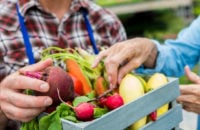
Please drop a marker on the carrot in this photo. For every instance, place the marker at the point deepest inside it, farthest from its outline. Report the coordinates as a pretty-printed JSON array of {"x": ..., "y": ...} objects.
[
  {"x": 100, "y": 86},
  {"x": 74, "y": 68},
  {"x": 78, "y": 87}
]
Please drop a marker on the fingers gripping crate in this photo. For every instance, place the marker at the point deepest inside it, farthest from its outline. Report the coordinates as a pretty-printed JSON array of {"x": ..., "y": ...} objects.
[{"x": 122, "y": 117}]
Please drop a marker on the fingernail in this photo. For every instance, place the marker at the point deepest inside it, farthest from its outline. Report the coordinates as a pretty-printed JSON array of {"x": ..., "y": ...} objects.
[
  {"x": 48, "y": 101},
  {"x": 44, "y": 86}
]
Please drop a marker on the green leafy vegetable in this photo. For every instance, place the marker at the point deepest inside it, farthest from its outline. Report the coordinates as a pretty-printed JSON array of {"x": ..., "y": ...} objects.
[
  {"x": 32, "y": 125},
  {"x": 98, "y": 112},
  {"x": 51, "y": 121},
  {"x": 80, "y": 99}
]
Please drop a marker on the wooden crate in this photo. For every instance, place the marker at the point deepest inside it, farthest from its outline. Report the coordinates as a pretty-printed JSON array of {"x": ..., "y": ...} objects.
[{"x": 124, "y": 116}]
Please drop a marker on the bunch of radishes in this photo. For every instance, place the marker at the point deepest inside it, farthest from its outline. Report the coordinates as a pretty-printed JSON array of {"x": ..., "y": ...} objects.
[{"x": 85, "y": 111}]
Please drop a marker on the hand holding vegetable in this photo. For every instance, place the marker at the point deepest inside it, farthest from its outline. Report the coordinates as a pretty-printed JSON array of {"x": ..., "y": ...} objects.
[
  {"x": 14, "y": 103},
  {"x": 190, "y": 94},
  {"x": 57, "y": 78},
  {"x": 125, "y": 56}
]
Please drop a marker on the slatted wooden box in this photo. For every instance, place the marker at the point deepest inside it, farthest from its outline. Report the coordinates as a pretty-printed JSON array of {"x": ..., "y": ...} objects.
[{"x": 121, "y": 118}]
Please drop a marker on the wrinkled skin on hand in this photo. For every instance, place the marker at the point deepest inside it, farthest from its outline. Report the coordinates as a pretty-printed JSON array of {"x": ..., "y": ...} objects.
[
  {"x": 190, "y": 93},
  {"x": 14, "y": 103},
  {"x": 126, "y": 56}
]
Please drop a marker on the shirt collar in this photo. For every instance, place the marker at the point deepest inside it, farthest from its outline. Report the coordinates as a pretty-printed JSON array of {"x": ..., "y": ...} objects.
[
  {"x": 76, "y": 5},
  {"x": 25, "y": 5}
]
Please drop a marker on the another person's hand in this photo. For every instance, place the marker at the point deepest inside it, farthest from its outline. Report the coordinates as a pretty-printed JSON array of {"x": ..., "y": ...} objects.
[
  {"x": 126, "y": 56},
  {"x": 190, "y": 94},
  {"x": 14, "y": 103}
]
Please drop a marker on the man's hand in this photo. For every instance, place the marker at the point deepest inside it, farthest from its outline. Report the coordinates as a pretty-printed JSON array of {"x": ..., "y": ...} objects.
[
  {"x": 123, "y": 57},
  {"x": 190, "y": 94},
  {"x": 14, "y": 103}
]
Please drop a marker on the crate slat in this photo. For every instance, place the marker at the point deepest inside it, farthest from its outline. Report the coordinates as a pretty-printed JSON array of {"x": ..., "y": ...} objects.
[{"x": 167, "y": 121}]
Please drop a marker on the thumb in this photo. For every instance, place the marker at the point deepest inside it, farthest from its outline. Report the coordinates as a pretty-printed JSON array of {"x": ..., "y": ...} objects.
[{"x": 193, "y": 77}]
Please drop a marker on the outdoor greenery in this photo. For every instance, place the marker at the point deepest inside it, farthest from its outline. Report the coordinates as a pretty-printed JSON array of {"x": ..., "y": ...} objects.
[
  {"x": 196, "y": 7},
  {"x": 116, "y": 2},
  {"x": 154, "y": 24}
]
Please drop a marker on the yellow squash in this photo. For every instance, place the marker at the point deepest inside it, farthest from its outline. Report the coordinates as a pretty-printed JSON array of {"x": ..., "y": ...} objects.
[
  {"x": 155, "y": 81},
  {"x": 130, "y": 89}
]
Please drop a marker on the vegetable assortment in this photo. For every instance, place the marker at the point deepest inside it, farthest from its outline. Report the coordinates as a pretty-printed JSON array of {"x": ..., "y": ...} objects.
[
  {"x": 91, "y": 97},
  {"x": 88, "y": 84}
]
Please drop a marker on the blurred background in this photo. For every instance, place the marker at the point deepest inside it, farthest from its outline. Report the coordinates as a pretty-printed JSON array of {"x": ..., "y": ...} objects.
[{"x": 157, "y": 19}]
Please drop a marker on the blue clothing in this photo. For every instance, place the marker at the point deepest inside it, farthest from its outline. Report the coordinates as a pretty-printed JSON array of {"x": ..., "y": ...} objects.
[{"x": 174, "y": 55}]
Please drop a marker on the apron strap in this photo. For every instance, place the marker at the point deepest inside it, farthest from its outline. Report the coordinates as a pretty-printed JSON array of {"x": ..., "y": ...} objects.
[
  {"x": 27, "y": 43},
  {"x": 90, "y": 32}
]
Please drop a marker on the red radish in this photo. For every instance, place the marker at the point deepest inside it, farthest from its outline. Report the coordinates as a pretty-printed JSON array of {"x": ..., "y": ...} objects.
[
  {"x": 57, "y": 78},
  {"x": 153, "y": 116},
  {"x": 102, "y": 101},
  {"x": 84, "y": 111},
  {"x": 114, "y": 101}
]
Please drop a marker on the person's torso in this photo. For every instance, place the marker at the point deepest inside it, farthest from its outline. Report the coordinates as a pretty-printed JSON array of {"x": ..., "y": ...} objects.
[{"x": 46, "y": 30}]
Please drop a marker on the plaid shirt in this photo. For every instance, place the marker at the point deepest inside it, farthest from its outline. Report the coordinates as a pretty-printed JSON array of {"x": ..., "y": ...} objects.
[{"x": 46, "y": 30}]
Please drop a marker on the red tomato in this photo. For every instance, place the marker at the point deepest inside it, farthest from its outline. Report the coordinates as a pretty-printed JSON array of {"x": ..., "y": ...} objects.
[{"x": 78, "y": 86}]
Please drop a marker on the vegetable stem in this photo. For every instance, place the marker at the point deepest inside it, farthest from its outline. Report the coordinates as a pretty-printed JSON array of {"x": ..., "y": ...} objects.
[
  {"x": 103, "y": 94},
  {"x": 63, "y": 100}
]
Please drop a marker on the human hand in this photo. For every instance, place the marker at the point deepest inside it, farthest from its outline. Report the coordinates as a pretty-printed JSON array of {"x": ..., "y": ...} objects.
[
  {"x": 14, "y": 103},
  {"x": 123, "y": 57},
  {"x": 190, "y": 94}
]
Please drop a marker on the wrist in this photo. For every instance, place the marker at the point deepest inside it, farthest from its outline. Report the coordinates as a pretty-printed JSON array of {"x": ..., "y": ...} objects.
[{"x": 152, "y": 58}]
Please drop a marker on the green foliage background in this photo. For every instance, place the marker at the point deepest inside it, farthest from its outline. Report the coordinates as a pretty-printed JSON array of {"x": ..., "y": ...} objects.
[{"x": 196, "y": 7}]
